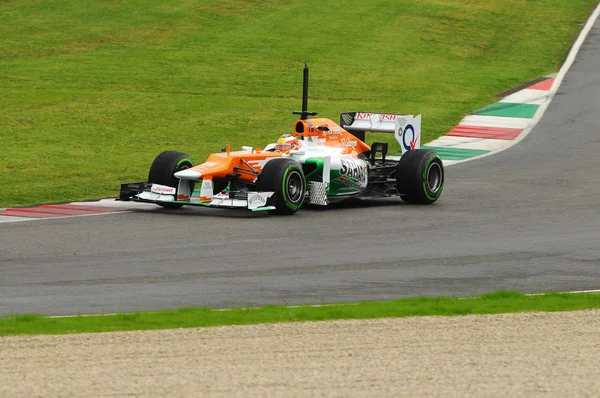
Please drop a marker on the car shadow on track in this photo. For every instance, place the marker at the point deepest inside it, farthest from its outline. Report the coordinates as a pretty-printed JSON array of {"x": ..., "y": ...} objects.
[
  {"x": 348, "y": 204},
  {"x": 204, "y": 212},
  {"x": 356, "y": 203}
]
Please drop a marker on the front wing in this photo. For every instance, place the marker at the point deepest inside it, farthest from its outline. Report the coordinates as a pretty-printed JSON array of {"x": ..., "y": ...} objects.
[{"x": 161, "y": 194}]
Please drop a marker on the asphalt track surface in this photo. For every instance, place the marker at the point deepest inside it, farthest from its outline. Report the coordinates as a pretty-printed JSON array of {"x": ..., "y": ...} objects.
[{"x": 526, "y": 219}]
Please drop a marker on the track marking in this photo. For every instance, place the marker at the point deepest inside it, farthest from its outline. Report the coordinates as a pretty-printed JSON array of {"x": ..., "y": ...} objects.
[
  {"x": 44, "y": 212},
  {"x": 298, "y": 306}
]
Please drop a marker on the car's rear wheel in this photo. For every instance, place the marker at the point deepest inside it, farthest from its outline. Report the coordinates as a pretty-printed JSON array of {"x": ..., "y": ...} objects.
[
  {"x": 164, "y": 167},
  {"x": 286, "y": 179},
  {"x": 420, "y": 176}
]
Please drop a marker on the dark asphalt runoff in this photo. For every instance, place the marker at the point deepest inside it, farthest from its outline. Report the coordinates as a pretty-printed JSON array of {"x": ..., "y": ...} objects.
[{"x": 525, "y": 219}]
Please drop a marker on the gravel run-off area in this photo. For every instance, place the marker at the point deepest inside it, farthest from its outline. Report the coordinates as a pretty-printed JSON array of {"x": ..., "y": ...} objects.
[{"x": 528, "y": 354}]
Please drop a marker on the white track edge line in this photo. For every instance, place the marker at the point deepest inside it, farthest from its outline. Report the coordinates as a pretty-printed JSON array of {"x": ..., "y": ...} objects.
[{"x": 298, "y": 306}]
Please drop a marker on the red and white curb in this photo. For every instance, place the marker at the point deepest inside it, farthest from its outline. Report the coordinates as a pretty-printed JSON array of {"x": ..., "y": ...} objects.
[
  {"x": 486, "y": 134},
  {"x": 75, "y": 209}
]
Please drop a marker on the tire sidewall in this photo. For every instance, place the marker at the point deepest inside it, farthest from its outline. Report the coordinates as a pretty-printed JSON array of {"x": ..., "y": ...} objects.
[
  {"x": 162, "y": 171},
  {"x": 428, "y": 162},
  {"x": 276, "y": 176},
  {"x": 293, "y": 172},
  {"x": 166, "y": 164},
  {"x": 412, "y": 175}
]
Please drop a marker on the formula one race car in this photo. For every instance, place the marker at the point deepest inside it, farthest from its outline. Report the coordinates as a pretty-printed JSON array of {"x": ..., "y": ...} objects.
[{"x": 320, "y": 163}]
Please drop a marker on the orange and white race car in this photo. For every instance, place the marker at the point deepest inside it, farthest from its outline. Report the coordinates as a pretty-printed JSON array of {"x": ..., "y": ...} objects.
[{"x": 319, "y": 162}]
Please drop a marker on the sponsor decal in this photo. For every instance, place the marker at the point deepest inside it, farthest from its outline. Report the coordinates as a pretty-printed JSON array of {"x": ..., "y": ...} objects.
[
  {"x": 258, "y": 199},
  {"x": 222, "y": 195},
  {"x": 349, "y": 183},
  {"x": 347, "y": 142},
  {"x": 362, "y": 115},
  {"x": 332, "y": 131},
  {"x": 408, "y": 132},
  {"x": 387, "y": 117},
  {"x": 412, "y": 142},
  {"x": 162, "y": 189},
  {"x": 382, "y": 117},
  {"x": 355, "y": 170}
]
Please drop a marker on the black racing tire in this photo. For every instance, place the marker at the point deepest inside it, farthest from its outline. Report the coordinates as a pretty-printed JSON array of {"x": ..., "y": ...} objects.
[
  {"x": 420, "y": 176},
  {"x": 286, "y": 179},
  {"x": 164, "y": 167}
]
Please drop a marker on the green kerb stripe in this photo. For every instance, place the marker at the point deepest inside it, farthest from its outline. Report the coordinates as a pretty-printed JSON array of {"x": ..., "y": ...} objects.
[
  {"x": 456, "y": 153},
  {"x": 509, "y": 109}
]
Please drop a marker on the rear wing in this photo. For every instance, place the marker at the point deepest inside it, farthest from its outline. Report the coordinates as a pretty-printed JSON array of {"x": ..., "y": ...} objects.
[{"x": 406, "y": 128}]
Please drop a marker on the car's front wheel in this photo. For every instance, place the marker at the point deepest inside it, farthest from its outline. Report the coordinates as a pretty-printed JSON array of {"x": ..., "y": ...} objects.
[
  {"x": 164, "y": 167},
  {"x": 286, "y": 179}
]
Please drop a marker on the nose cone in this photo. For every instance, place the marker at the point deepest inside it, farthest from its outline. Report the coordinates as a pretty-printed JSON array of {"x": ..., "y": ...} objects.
[{"x": 188, "y": 175}]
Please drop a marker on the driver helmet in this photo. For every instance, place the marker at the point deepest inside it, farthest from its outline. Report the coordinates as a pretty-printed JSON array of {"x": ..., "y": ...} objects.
[{"x": 287, "y": 142}]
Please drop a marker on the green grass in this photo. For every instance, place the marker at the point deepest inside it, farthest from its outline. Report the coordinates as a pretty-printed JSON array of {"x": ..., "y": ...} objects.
[
  {"x": 93, "y": 90},
  {"x": 493, "y": 303}
]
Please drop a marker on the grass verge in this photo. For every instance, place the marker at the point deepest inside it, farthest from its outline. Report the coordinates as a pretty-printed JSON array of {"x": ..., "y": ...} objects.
[
  {"x": 92, "y": 91},
  {"x": 493, "y": 303}
]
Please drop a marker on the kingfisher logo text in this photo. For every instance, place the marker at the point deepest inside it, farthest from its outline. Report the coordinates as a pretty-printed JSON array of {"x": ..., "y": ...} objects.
[{"x": 382, "y": 117}]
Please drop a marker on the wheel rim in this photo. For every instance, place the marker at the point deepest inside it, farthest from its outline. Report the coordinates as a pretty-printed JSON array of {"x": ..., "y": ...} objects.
[
  {"x": 294, "y": 186},
  {"x": 182, "y": 167},
  {"x": 434, "y": 177}
]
